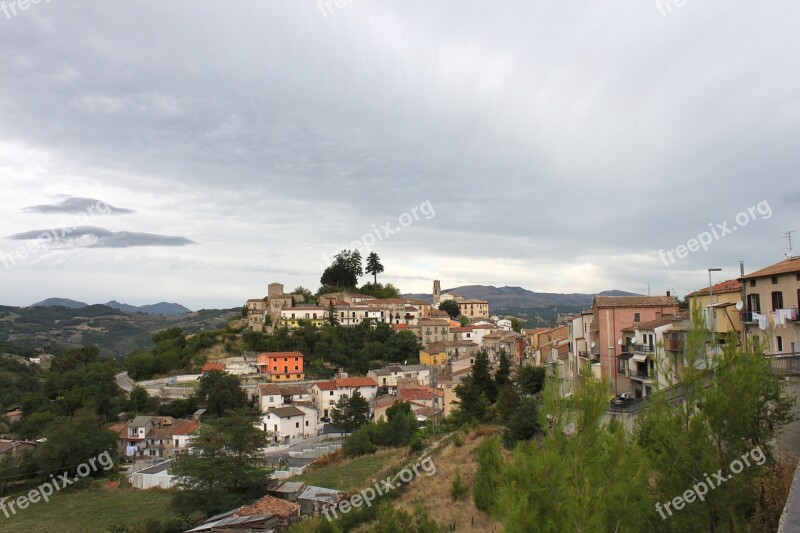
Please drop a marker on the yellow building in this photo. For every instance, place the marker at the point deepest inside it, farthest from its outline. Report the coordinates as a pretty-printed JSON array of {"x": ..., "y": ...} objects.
[
  {"x": 434, "y": 354},
  {"x": 721, "y": 313}
]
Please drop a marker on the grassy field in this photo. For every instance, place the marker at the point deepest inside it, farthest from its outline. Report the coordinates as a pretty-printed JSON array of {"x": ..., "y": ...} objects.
[
  {"x": 93, "y": 510},
  {"x": 351, "y": 475}
]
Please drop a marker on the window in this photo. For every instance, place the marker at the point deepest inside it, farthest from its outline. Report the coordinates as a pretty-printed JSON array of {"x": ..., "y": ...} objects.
[
  {"x": 752, "y": 283},
  {"x": 754, "y": 303},
  {"x": 777, "y": 300},
  {"x": 779, "y": 342},
  {"x": 297, "y": 424},
  {"x": 271, "y": 399},
  {"x": 331, "y": 393},
  {"x": 296, "y": 367},
  {"x": 774, "y": 280},
  {"x": 637, "y": 317},
  {"x": 306, "y": 423}
]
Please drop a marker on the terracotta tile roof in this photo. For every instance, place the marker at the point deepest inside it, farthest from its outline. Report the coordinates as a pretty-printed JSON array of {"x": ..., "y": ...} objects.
[
  {"x": 355, "y": 382},
  {"x": 732, "y": 285},
  {"x": 787, "y": 266},
  {"x": 461, "y": 330},
  {"x": 209, "y": 367},
  {"x": 635, "y": 301},
  {"x": 417, "y": 393},
  {"x": 434, "y": 322},
  {"x": 269, "y": 505},
  {"x": 474, "y": 301},
  {"x": 379, "y": 301},
  {"x": 652, "y": 324},
  {"x": 280, "y": 354},
  {"x": 326, "y": 385},
  {"x": 435, "y": 347},
  {"x": 400, "y": 327},
  {"x": 269, "y": 389}
]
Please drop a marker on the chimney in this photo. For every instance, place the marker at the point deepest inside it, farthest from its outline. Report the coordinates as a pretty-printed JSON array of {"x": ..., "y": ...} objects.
[{"x": 668, "y": 293}]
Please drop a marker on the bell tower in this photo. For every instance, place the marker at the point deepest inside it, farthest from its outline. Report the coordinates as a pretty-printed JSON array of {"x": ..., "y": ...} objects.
[{"x": 437, "y": 293}]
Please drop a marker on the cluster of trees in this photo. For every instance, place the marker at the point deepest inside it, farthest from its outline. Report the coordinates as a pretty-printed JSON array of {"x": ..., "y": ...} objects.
[
  {"x": 346, "y": 268},
  {"x": 356, "y": 348},
  {"x": 226, "y": 468},
  {"x": 172, "y": 352},
  {"x": 397, "y": 429},
  {"x": 590, "y": 475},
  {"x": 511, "y": 400}
]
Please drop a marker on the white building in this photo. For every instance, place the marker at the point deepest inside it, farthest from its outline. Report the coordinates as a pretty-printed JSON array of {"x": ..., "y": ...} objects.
[
  {"x": 391, "y": 376},
  {"x": 289, "y": 424},
  {"x": 327, "y": 393}
]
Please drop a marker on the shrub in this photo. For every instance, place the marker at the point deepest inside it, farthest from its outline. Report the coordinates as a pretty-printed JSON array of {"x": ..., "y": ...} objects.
[{"x": 458, "y": 489}]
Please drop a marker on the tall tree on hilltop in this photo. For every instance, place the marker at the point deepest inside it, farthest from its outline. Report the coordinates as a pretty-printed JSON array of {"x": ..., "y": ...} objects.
[
  {"x": 344, "y": 271},
  {"x": 374, "y": 266}
]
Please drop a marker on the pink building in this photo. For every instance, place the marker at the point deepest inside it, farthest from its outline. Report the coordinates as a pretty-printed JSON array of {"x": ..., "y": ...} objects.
[{"x": 612, "y": 315}]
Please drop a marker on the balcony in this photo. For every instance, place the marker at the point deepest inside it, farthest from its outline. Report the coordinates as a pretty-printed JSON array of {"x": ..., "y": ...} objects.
[
  {"x": 643, "y": 375},
  {"x": 747, "y": 317},
  {"x": 642, "y": 348},
  {"x": 622, "y": 371},
  {"x": 675, "y": 345},
  {"x": 584, "y": 354}
]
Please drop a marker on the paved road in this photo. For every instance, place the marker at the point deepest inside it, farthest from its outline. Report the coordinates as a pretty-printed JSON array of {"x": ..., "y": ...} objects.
[{"x": 125, "y": 383}]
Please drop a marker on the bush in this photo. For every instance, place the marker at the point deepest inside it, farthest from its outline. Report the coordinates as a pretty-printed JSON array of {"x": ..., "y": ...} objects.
[
  {"x": 360, "y": 443},
  {"x": 458, "y": 489},
  {"x": 458, "y": 442},
  {"x": 417, "y": 442}
]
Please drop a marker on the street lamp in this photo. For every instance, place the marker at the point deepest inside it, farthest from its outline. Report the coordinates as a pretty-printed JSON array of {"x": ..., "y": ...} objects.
[{"x": 713, "y": 310}]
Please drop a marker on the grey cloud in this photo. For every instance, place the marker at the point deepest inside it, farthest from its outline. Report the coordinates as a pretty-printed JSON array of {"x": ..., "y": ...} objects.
[
  {"x": 76, "y": 205},
  {"x": 93, "y": 237}
]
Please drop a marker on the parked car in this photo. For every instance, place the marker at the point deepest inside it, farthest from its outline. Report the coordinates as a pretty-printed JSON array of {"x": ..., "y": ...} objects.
[{"x": 623, "y": 399}]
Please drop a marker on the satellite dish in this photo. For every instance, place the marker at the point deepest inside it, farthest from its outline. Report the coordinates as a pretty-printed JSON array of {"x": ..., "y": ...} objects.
[
  {"x": 619, "y": 341},
  {"x": 739, "y": 305},
  {"x": 633, "y": 340},
  {"x": 593, "y": 345}
]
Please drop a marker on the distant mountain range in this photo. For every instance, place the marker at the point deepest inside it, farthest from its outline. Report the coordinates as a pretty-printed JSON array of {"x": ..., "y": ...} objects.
[
  {"x": 117, "y": 333},
  {"x": 536, "y": 307},
  {"x": 161, "y": 308}
]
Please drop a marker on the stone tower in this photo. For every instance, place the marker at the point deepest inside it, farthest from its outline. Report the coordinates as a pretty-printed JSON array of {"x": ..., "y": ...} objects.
[{"x": 437, "y": 293}]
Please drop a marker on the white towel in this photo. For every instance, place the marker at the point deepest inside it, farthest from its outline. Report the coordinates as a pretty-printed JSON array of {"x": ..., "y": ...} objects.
[{"x": 762, "y": 320}]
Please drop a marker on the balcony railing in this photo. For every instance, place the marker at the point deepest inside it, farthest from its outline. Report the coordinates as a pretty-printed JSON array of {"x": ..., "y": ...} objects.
[
  {"x": 584, "y": 354},
  {"x": 644, "y": 375},
  {"x": 747, "y": 317},
  {"x": 642, "y": 348},
  {"x": 622, "y": 371}
]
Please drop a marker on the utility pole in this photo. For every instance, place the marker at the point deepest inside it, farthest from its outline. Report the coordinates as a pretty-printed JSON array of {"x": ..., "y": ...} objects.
[{"x": 435, "y": 388}]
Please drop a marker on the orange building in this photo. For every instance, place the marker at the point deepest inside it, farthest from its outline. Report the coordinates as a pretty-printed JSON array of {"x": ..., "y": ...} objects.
[{"x": 281, "y": 366}]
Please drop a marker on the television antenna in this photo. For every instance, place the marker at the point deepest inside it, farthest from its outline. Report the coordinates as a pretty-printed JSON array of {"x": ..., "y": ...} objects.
[{"x": 788, "y": 236}]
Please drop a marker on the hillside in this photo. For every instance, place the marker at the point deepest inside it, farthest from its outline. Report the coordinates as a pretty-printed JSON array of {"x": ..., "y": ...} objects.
[
  {"x": 535, "y": 306},
  {"x": 115, "y": 332},
  {"x": 161, "y": 308}
]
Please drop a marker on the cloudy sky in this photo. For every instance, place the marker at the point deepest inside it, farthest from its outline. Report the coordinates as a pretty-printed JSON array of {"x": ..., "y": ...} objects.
[{"x": 195, "y": 151}]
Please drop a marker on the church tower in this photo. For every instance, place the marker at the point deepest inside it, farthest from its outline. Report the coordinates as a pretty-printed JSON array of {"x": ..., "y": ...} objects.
[{"x": 437, "y": 293}]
